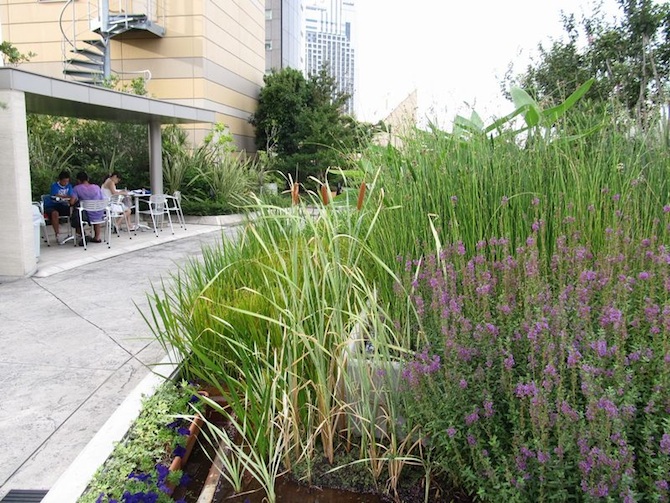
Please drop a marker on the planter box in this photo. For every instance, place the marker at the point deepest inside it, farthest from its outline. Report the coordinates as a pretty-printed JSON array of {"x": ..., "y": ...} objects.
[{"x": 74, "y": 481}]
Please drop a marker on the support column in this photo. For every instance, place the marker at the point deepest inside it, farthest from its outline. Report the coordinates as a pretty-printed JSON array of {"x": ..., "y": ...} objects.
[
  {"x": 155, "y": 157},
  {"x": 17, "y": 248}
]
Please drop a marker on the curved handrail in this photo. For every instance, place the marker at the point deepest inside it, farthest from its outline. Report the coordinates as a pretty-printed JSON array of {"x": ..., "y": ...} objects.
[
  {"x": 147, "y": 73},
  {"x": 60, "y": 25}
]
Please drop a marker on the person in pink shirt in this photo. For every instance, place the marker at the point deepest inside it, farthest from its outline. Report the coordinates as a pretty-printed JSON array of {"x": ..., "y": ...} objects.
[{"x": 84, "y": 191}]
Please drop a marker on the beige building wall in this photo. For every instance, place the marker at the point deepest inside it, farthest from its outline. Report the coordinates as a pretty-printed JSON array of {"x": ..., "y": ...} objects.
[
  {"x": 212, "y": 55},
  {"x": 400, "y": 122}
]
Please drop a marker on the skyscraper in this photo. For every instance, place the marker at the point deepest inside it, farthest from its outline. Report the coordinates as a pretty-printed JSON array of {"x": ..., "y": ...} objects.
[
  {"x": 329, "y": 35},
  {"x": 284, "y": 35}
]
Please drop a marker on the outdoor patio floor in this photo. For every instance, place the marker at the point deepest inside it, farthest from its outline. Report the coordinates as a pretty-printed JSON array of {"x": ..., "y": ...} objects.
[{"x": 76, "y": 344}]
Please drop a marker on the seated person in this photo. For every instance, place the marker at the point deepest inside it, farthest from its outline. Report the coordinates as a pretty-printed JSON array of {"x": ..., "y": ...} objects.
[
  {"x": 87, "y": 191},
  {"x": 60, "y": 202},
  {"x": 109, "y": 186}
]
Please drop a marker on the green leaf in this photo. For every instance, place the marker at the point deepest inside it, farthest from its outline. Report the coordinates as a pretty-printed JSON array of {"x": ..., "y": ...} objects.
[
  {"x": 522, "y": 99},
  {"x": 552, "y": 114}
]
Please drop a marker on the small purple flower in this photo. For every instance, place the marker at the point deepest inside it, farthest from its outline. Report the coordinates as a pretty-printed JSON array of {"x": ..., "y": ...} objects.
[
  {"x": 643, "y": 276},
  {"x": 472, "y": 418},
  {"x": 662, "y": 485},
  {"x": 509, "y": 362},
  {"x": 162, "y": 471},
  {"x": 666, "y": 208},
  {"x": 665, "y": 443},
  {"x": 174, "y": 424},
  {"x": 600, "y": 347},
  {"x": 179, "y": 451},
  {"x": 550, "y": 371},
  {"x": 454, "y": 200},
  {"x": 185, "y": 479},
  {"x": 535, "y": 201},
  {"x": 142, "y": 477},
  {"x": 451, "y": 431},
  {"x": 543, "y": 457},
  {"x": 573, "y": 358},
  {"x": 472, "y": 440},
  {"x": 523, "y": 390},
  {"x": 609, "y": 407},
  {"x": 463, "y": 383},
  {"x": 488, "y": 408},
  {"x": 182, "y": 430},
  {"x": 504, "y": 200}
]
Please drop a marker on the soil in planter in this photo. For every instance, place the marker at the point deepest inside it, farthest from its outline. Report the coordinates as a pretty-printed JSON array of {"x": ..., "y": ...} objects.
[
  {"x": 291, "y": 491},
  {"x": 349, "y": 485}
]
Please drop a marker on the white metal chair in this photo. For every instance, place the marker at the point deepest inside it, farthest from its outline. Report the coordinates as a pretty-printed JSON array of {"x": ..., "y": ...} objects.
[
  {"x": 47, "y": 220},
  {"x": 95, "y": 205},
  {"x": 117, "y": 209},
  {"x": 157, "y": 210},
  {"x": 173, "y": 203}
]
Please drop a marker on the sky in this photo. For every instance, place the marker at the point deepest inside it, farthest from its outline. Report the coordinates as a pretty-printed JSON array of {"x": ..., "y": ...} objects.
[{"x": 454, "y": 53}]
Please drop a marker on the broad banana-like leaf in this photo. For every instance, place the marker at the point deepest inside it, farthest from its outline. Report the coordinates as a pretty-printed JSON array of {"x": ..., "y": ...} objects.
[
  {"x": 465, "y": 127},
  {"x": 476, "y": 120},
  {"x": 551, "y": 115},
  {"x": 522, "y": 99}
]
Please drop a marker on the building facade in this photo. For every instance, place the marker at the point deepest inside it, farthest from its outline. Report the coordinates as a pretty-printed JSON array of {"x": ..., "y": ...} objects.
[
  {"x": 329, "y": 41},
  {"x": 204, "y": 53},
  {"x": 284, "y": 35}
]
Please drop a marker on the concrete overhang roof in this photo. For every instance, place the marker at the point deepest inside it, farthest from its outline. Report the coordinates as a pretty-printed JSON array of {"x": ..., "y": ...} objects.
[{"x": 50, "y": 96}]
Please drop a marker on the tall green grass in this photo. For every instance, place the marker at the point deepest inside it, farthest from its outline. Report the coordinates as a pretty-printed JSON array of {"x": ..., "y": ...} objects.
[
  {"x": 268, "y": 319},
  {"x": 487, "y": 188},
  {"x": 303, "y": 324}
]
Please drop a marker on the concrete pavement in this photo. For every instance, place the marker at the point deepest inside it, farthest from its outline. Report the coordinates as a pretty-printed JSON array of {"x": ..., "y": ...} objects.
[{"x": 74, "y": 345}]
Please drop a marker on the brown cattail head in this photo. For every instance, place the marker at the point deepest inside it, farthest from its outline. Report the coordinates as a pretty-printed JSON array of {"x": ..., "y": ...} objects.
[
  {"x": 295, "y": 189},
  {"x": 361, "y": 196},
  {"x": 325, "y": 194}
]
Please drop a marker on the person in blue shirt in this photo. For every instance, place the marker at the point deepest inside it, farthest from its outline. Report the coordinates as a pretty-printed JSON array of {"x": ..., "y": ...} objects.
[{"x": 61, "y": 200}]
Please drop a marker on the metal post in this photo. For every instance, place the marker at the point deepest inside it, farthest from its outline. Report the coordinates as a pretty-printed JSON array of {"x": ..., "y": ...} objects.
[{"x": 155, "y": 157}]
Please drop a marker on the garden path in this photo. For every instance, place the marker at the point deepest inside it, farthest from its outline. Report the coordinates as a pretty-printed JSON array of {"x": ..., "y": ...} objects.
[{"x": 74, "y": 345}]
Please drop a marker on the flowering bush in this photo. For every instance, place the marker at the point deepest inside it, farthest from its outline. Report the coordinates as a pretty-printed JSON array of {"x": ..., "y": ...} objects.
[
  {"x": 137, "y": 470},
  {"x": 545, "y": 379}
]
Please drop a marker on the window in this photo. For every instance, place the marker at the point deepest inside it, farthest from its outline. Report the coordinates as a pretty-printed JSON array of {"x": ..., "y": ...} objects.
[
  {"x": 268, "y": 14},
  {"x": 268, "y": 45}
]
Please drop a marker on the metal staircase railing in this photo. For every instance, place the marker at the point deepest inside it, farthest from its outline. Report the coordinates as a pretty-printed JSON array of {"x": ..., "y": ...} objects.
[{"x": 87, "y": 27}]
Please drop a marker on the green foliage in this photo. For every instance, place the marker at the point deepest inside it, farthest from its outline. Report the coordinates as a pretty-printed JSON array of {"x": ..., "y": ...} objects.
[
  {"x": 12, "y": 56},
  {"x": 57, "y": 143},
  {"x": 149, "y": 442},
  {"x": 46, "y": 164},
  {"x": 305, "y": 323},
  {"x": 267, "y": 318},
  {"x": 98, "y": 147},
  {"x": 629, "y": 59},
  {"x": 301, "y": 121},
  {"x": 212, "y": 177}
]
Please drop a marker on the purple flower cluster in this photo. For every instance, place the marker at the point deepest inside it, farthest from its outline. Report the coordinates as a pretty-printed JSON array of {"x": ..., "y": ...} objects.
[
  {"x": 422, "y": 365},
  {"x": 547, "y": 365}
]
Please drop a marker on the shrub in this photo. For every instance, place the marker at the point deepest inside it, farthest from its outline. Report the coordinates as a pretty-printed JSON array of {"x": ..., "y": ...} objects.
[{"x": 545, "y": 384}]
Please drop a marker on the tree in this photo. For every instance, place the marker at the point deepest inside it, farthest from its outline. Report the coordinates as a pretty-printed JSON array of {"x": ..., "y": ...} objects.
[
  {"x": 629, "y": 59},
  {"x": 301, "y": 121},
  {"x": 11, "y": 55}
]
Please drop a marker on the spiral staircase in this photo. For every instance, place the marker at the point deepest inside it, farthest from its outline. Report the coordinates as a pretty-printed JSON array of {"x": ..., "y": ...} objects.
[{"x": 88, "y": 26}]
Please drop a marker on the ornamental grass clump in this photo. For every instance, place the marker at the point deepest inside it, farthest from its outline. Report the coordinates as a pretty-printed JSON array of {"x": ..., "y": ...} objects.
[
  {"x": 278, "y": 321},
  {"x": 545, "y": 381}
]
